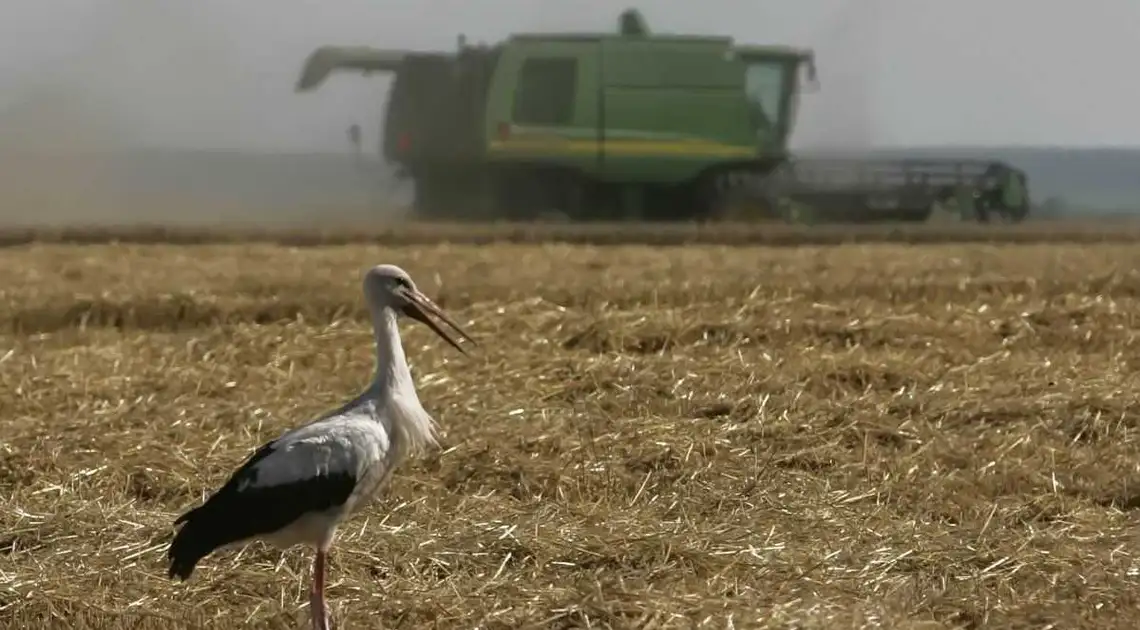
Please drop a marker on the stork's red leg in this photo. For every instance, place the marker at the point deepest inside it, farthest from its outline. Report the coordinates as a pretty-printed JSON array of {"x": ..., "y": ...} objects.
[{"x": 317, "y": 608}]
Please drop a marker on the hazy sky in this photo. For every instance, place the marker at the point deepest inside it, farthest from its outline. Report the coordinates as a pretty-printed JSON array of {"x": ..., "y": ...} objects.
[{"x": 220, "y": 73}]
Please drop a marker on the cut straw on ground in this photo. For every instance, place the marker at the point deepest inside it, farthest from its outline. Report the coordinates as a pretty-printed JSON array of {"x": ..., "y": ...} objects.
[{"x": 649, "y": 437}]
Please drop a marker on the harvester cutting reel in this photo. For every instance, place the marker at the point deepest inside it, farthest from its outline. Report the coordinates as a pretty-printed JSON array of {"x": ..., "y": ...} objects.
[{"x": 855, "y": 190}]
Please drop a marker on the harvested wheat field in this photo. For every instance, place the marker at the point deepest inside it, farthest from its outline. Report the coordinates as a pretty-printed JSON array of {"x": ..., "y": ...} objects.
[
  {"x": 882, "y": 435},
  {"x": 768, "y": 234}
]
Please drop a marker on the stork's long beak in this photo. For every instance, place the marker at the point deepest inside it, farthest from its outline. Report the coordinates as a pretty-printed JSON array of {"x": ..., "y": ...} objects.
[{"x": 418, "y": 308}]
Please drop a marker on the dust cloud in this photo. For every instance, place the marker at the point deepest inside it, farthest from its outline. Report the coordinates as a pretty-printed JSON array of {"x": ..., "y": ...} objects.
[
  {"x": 55, "y": 135},
  {"x": 77, "y": 136},
  {"x": 840, "y": 116}
]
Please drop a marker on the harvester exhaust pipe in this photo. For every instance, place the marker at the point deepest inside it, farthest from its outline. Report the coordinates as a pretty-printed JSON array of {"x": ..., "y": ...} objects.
[{"x": 632, "y": 24}]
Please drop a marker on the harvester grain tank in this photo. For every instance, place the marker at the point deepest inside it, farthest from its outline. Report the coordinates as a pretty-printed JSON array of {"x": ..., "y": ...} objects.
[{"x": 592, "y": 126}]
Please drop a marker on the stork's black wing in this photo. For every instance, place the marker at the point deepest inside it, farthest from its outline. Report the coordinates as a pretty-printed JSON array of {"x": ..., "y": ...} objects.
[{"x": 278, "y": 484}]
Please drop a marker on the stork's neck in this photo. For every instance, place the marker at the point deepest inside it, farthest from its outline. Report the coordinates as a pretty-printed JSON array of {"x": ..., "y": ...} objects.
[
  {"x": 394, "y": 391},
  {"x": 392, "y": 373}
]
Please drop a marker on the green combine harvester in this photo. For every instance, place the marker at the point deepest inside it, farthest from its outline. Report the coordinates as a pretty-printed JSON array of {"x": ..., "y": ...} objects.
[{"x": 628, "y": 125}]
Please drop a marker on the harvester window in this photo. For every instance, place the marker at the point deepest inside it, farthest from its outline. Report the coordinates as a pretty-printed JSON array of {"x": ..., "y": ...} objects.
[
  {"x": 764, "y": 83},
  {"x": 546, "y": 91}
]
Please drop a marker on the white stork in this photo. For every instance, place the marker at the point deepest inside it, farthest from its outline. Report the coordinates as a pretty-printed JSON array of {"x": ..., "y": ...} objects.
[{"x": 299, "y": 487}]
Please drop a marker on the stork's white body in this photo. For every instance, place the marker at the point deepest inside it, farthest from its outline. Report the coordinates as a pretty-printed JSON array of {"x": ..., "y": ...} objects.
[
  {"x": 298, "y": 488},
  {"x": 370, "y": 437}
]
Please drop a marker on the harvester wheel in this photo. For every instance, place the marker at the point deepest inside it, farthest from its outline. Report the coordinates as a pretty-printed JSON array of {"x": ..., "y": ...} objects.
[
  {"x": 1014, "y": 215},
  {"x": 431, "y": 200},
  {"x": 526, "y": 195},
  {"x": 730, "y": 197}
]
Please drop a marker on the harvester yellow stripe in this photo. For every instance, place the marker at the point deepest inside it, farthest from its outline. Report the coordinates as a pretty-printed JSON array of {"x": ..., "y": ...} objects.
[{"x": 620, "y": 147}]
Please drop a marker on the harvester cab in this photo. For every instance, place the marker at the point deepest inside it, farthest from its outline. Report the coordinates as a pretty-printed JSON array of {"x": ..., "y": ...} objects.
[{"x": 774, "y": 77}]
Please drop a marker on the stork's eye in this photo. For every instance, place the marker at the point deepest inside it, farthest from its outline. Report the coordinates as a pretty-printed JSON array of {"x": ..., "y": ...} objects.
[{"x": 403, "y": 283}]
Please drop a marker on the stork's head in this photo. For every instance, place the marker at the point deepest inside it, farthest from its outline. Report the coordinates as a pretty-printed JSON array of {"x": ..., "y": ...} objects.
[{"x": 389, "y": 287}]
